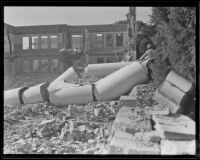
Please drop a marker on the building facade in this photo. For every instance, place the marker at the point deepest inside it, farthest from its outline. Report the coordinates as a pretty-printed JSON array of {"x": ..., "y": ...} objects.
[{"x": 35, "y": 49}]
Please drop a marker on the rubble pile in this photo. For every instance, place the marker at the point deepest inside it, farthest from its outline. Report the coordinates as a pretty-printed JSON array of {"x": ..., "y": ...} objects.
[{"x": 43, "y": 129}]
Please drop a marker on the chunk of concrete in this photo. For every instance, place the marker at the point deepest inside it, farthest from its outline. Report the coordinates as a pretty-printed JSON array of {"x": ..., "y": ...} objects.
[
  {"x": 124, "y": 143},
  {"x": 128, "y": 101},
  {"x": 179, "y": 81},
  {"x": 178, "y": 147},
  {"x": 130, "y": 121},
  {"x": 175, "y": 127},
  {"x": 165, "y": 101},
  {"x": 98, "y": 111}
]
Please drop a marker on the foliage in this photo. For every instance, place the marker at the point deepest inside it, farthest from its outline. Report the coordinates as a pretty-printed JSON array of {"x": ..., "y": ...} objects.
[
  {"x": 175, "y": 41},
  {"x": 121, "y": 22}
]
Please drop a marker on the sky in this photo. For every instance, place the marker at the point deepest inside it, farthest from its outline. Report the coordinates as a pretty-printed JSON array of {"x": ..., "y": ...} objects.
[{"x": 24, "y": 16}]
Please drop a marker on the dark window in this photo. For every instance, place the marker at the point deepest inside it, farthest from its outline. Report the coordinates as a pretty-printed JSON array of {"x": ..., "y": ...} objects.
[
  {"x": 35, "y": 65},
  {"x": 54, "y": 41},
  {"x": 110, "y": 60},
  {"x": 119, "y": 39},
  {"x": 120, "y": 59},
  {"x": 54, "y": 65},
  {"x": 44, "y": 65},
  {"x": 26, "y": 66},
  {"x": 99, "y": 40},
  {"x": 44, "y": 42},
  {"x": 100, "y": 60},
  {"x": 109, "y": 40},
  {"x": 35, "y": 43},
  {"x": 25, "y": 43}
]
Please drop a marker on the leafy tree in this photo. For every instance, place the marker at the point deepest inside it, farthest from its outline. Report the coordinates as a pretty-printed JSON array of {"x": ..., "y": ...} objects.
[
  {"x": 121, "y": 22},
  {"x": 175, "y": 42}
]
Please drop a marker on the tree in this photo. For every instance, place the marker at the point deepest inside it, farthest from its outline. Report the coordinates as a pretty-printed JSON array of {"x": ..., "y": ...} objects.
[
  {"x": 121, "y": 22},
  {"x": 175, "y": 41}
]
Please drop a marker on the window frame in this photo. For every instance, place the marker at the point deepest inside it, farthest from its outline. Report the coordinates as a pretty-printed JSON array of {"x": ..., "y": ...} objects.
[
  {"x": 107, "y": 40},
  {"x": 34, "y": 43},
  {"x": 122, "y": 39},
  {"x": 80, "y": 36},
  {"x": 51, "y": 65},
  {"x": 28, "y": 38},
  {"x": 98, "y": 41},
  {"x": 47, "y": 42},
  {"x": 50, "y": 39}
]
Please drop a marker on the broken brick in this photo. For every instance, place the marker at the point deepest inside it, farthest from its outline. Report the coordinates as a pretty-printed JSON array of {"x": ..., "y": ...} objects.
[
  {"x": 98, "y": 111},
  {"x": 128, "y": 101}
]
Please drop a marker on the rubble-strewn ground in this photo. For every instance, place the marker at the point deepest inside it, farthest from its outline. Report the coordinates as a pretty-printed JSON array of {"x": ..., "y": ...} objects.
[{"x": 48, "y": 129}]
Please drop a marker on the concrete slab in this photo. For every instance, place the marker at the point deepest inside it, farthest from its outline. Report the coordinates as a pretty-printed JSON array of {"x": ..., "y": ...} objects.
[
  {"x": 176, "y": 127},
  {"x": 178, "y": 147},
  {"x": 130, "y": 121},
  {"x": 128, "y": 101},
  {"x": 124, "y": 143}
]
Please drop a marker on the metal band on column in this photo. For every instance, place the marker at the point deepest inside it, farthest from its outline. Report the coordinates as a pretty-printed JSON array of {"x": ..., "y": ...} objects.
[
  {"x": 93, "y": 95},
  {"x": 20, "y": 92},
  {"x": 44, "y": 92}
]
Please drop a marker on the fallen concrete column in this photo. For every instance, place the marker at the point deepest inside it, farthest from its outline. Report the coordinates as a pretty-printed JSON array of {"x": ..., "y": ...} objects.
[
  {"x": 59, "y": 92},
  {"x": 68, "y": 75},
  {"x": 12, "y": 96},
  {"x": 92, "y": 69},
  {"x": 105, "y": 68},
  {"x": 120, "y": 82},
  {"x": 32, "y": 94},
  {"x": 72, "y": 95}
]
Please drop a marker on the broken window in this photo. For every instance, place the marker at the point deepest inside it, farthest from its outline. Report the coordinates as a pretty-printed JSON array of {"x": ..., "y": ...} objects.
[
  {"x": 54, "y": 65},
  {"x": 44, "y": 42},
  {"x": 99, "y": 40},
  {"x": 44, "y": 65},
  {"x": 77, "y": 41},
  {"x": 35, "y": 65},
  {"x": 109, "y": 40},
  {"x": 54, "y": 41},
  {"x": 119, "y": 39},
  {"x": 25, "y": 43},
  {"x": 35, "y": 42},
  {"x": 26, "y": 66},
  {"x": 100, "y": 60}
]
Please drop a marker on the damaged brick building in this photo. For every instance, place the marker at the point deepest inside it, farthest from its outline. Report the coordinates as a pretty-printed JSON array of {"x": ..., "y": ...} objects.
[{"x": 34, "y": 50}]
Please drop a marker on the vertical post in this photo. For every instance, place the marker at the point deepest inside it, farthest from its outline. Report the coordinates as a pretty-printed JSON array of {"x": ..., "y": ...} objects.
[{"x": 132, "y": 23}]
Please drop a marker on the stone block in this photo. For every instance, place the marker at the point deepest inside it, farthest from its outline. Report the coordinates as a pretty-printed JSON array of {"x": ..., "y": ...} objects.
[
  {"x": 178, "y": 147},
  {"x": 124, "y": 143},
  {"x": 175, "y": 127},
  {"x": 98, "y": 111},
  {"x": 130, "y": 121},
  {"x": 162, "y": 99},
  {"x": 128, "y": 101}
]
